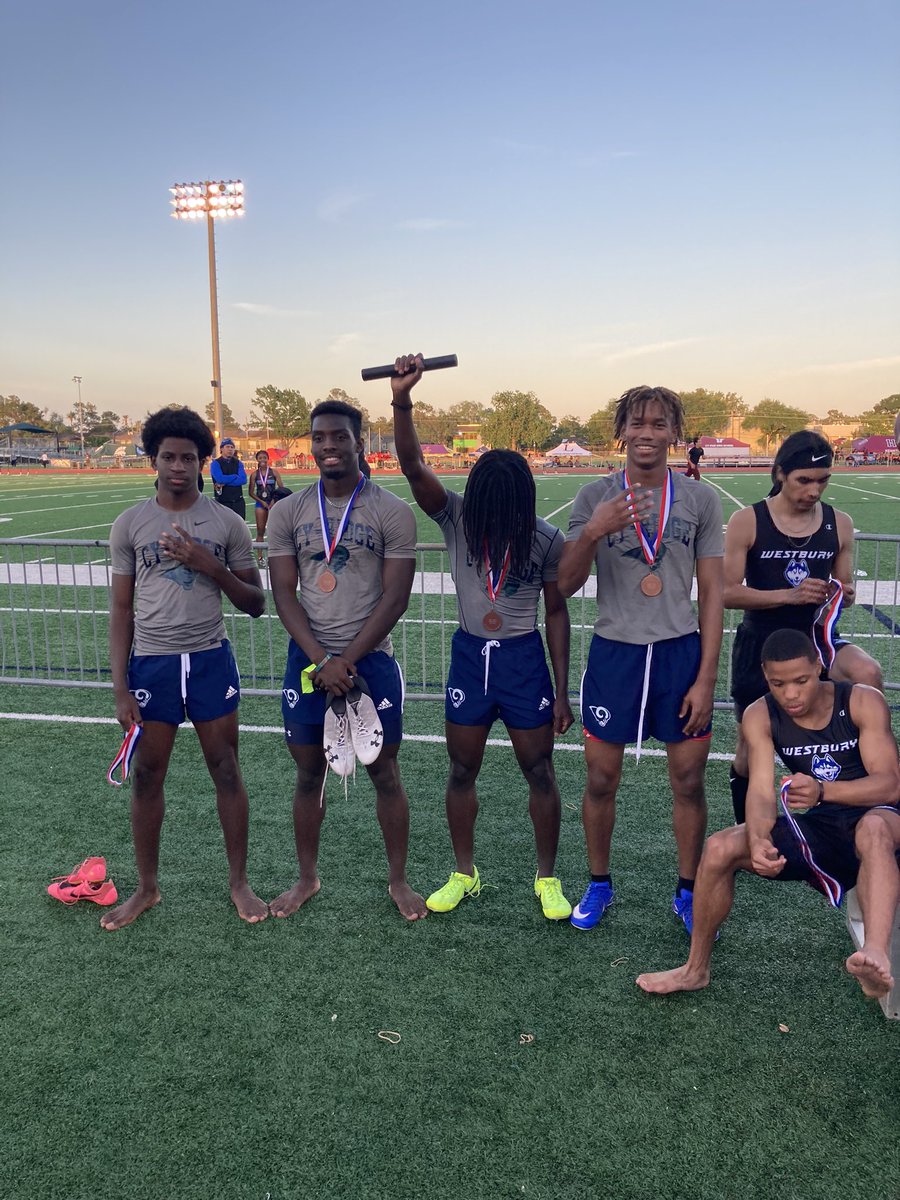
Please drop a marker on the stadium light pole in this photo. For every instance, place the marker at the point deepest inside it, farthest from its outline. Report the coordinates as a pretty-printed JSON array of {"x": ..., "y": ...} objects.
[
  {"x": 79, "y": 408},
  {"x": 213, "y": 199}
]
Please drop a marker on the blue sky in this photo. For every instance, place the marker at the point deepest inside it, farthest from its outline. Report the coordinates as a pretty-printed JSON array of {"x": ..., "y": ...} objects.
[{"x": 573, "y": 197}]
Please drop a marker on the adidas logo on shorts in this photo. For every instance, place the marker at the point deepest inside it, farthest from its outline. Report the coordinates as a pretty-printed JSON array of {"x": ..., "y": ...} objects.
[
  {"x": 384, "y": 704},
  {"x": 232, "y": 691},
  {"x": 545, "y": 703}
]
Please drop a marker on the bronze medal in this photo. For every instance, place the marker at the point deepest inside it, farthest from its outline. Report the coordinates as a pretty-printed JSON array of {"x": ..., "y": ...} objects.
[
  {"x": 651, "y": 585},
  {"x": 326, "y": 582},
  {"x": 492, "y": 621}
]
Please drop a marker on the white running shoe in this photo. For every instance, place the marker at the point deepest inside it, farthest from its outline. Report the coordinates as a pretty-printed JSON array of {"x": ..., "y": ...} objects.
[
  {"x": 336, "y": 738},
  {"x": 366, "y": 732}
]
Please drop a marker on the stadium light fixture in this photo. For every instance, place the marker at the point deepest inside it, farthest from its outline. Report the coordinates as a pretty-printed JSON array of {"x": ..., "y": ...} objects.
[{"x": 215, "y": 199}]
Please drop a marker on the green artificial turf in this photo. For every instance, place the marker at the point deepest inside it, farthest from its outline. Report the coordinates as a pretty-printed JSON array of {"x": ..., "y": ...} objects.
[{"x": 193, "y": 1056}]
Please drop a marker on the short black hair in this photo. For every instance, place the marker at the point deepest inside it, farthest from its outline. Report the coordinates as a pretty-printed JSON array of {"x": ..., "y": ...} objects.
[
  {"x": 636, "y": 399},
  {"x": 796, "y": 453},
  {"x": 784, "y": 645},
  {"x": 177, "y": 422},
  {"x": 339, "y": 408}
]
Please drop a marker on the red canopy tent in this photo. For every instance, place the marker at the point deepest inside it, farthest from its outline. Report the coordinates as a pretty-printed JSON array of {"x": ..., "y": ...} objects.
[{"x": 875, "y": 444}]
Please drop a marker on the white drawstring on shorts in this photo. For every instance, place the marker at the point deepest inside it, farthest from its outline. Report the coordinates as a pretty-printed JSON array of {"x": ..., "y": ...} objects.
[
  {"x": 486, "y": 654},
  {"x": 640, "y": 732},
  {"x": 185, "y": 671}
]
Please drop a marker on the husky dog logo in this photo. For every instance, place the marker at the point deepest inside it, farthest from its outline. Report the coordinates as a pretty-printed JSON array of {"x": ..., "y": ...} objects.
[
  {"x": 142, "y": 696},
  {"x": 796, "y": 571},
  {"x": 825, "y": 768},
  {"x": 457, "y": 696},
  {"x": 601, "y": 714},
  {"x": 291, "y": 696}
]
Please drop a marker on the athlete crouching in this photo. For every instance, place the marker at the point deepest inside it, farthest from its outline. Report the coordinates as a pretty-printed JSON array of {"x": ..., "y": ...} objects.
[{"x": 841, "y": 824}]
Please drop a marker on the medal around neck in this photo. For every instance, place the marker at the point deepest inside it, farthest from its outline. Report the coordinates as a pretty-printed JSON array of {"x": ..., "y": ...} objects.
[
  {"x": 492, "y": 621},
  {"x": 651, "y": 585},
  {"x": 327, "y": 581}
]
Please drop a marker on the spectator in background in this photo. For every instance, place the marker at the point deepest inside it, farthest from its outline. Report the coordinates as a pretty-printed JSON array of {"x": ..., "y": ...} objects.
[{"x": 229, "y": 478}]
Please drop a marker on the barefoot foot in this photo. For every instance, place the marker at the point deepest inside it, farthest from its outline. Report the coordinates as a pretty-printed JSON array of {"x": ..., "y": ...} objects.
[
  {"x": 872, "y": 971},
  {"x": 288, "y": 902},
  {"x": 681, "y": 979},
  {"x": 410, "y": 903},
  {"x": 124, "y": 914},
  {"x": 250, "y": 907}
]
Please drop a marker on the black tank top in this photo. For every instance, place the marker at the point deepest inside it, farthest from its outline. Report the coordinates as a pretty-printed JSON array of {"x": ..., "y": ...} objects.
[
  {"x": 827, "y": 754},
  {"x": 774, "y": 561}
]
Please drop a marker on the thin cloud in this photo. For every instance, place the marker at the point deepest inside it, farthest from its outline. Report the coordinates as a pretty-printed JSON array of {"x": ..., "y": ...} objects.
[
  {"x": 859, "y": 364},
  {"x": 269, "y": 310},
  {"x": 609, "y": 356},
  {"x": 337, "y": 205},
  {"x": 429, "y": 224},
  {"x": 343, "y": 341}
]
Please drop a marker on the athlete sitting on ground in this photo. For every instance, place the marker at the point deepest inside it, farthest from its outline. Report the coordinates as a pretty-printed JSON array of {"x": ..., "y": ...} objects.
[
  {"x": 501, "y": 558},
  {"x": 844, "y": 827}
]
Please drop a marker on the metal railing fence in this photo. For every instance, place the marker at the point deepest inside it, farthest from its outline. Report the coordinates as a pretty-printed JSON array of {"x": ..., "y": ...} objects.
[{"x": 54, "y": 611}]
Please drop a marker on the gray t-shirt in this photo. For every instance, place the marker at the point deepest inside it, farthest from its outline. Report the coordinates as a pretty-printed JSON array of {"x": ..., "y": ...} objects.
[
  {"x": 177, "y": 610},
  {"x": 380, "y": 526},
  {"x": 694, "y": 530},
  {"x": 517, "y": 603}
]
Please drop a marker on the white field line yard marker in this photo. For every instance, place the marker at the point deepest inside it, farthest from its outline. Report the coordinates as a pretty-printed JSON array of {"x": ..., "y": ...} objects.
[{"x": 429, "y": 739}]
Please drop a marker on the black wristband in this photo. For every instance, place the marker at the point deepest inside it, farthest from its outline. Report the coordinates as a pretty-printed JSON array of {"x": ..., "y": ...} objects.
[
  {"x": 404, "y": 407},
  {"x": 821, "y": 792}
]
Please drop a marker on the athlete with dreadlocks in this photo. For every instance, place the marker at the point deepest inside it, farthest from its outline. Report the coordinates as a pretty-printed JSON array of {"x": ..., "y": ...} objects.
[
  {"x": 502, "y": 557},
  {"x": 652, "y": 665}
]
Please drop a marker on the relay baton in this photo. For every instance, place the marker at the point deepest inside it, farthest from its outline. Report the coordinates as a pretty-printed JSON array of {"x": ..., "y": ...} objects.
[{"x": 428, "y": 364}]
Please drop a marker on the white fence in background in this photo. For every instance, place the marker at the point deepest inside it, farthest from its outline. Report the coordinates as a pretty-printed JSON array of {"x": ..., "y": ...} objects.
[{"x": 54, "y": 606}]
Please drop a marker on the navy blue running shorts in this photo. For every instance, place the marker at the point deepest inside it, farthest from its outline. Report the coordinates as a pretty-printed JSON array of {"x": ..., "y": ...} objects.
[
  {"x": 204, "y": 685},
  {"x": 506, "y": 678},
  {"x": 612, "y": 688},
  {"x": 304, "y": 712}
]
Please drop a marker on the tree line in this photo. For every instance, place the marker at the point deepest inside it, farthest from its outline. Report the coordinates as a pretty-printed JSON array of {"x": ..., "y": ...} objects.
[{"x": 511, "y": 419}]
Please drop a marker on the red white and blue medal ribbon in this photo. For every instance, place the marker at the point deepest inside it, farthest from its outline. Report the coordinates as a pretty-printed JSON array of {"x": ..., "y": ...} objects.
[
  {"x": 824, "y": 625},
  {"x": 832, "y": 889},
  {"x": 496, "y": 580},
  {"x": 665, "y": 507},
  {"x": 329, "y": 543},
  {"x": 125, "y": 755}
]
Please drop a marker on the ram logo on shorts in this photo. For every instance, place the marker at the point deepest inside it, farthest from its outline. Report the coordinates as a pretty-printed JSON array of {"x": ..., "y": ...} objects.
[
  {"x": 601, "y": 714},
  {"x": 291, "y": 696},
  {"x": 457, "y": 696},
  {"x": 796, "y": 571},
  {"x": 825, "y": 768},
  {"x": 142, "y": 696}
]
